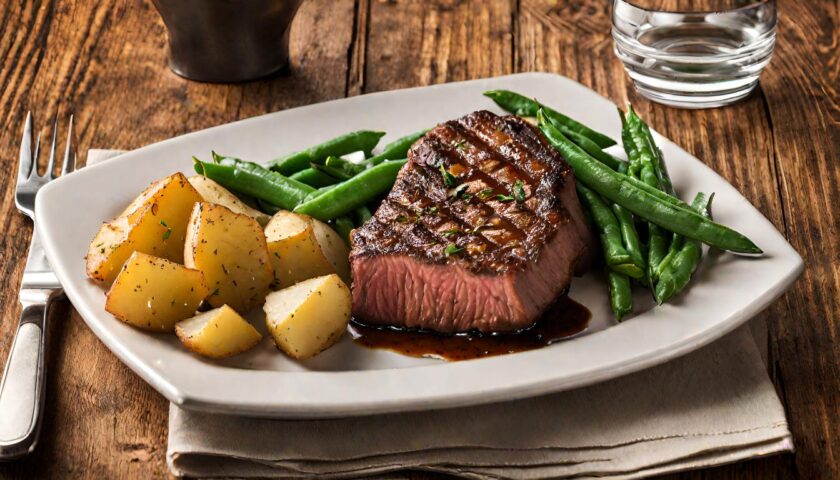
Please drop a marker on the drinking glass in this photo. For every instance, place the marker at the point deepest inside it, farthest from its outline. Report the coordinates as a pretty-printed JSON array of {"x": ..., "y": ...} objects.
[{"x": 694, "y": 59}]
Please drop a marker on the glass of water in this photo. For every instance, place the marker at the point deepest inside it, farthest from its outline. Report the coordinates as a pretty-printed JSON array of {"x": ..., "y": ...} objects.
[{"x": 694, "y": 59}]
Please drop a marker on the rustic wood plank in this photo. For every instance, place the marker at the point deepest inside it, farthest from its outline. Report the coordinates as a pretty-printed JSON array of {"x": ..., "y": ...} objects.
[
  {"x": 105, "y": 61},
  {"x": 801, "y": 93},
  {"x": 423, "y": 43}
]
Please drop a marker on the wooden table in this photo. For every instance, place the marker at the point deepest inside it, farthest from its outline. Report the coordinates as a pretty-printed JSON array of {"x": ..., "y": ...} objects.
[{"x": 105, "y": 61}]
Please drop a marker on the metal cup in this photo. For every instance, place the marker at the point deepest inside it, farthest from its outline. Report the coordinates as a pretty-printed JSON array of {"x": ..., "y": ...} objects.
[{"x": 224, "y": 41}]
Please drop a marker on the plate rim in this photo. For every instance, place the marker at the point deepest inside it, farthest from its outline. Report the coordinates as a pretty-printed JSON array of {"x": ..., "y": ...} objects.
[{"x": 196, "y": 400}]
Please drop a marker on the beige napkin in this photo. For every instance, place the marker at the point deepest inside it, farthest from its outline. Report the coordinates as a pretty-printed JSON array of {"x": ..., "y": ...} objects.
[{"x": 710, "y": 407}]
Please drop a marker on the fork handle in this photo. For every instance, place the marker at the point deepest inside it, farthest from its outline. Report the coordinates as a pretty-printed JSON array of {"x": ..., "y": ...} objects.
[{"x": 22, "y": 390}]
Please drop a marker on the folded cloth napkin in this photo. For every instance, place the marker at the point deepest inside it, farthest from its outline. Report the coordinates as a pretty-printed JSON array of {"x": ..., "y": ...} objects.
[{"x": 710, "y": 407}]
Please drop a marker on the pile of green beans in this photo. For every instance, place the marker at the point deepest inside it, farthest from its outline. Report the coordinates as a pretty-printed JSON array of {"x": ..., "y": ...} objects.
[
  {"x": 317, "y": 181},
  {"x": 648, "y": 235}
]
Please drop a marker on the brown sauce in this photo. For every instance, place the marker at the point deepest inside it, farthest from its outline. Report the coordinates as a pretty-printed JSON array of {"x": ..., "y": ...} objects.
[{"x": 564, "y": 319}]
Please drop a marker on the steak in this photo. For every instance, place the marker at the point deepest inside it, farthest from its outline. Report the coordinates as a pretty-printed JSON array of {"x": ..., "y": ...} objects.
[{"x": 481, "y": 231}]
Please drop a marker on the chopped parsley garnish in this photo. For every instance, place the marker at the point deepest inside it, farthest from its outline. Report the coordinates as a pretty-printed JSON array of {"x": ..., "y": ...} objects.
[
  {"x": 448, "y": 179},
  {"x": 485, "y": 193},
  {"x": 460, "y": 145},
  {"x": 451, "y": 249},
  {"x": 432, "y": 210},
  {"x": 168, "y": 231},
  {"x": 519, "y": 191},
  {"x": 450, "y": 232},
  {"x": 504, "y": 198}
]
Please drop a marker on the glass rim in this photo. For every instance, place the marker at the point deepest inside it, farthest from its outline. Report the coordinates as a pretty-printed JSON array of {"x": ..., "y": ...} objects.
[{"x": 755, "y": 4}]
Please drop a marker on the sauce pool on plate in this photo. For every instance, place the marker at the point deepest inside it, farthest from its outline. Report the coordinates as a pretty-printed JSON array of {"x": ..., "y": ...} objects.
[{"x": 564, "y": 319}]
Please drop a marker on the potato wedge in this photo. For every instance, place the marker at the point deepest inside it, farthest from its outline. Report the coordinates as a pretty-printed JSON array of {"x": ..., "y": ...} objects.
[
  {"x": 212, "y": 192},
  {"x": 334, "y": 249},
  {"x": 230, "y": 249},
  {"x": 308, "y": 317},
  {"x": 154, "y": 223},
  {"x": 172, "y": 199},
  {"x": 118, "y": 239},
  {"x": 295, "y": 252},
  {"x": 153, "y": 293},
  {"x": 219, "y": 333}
]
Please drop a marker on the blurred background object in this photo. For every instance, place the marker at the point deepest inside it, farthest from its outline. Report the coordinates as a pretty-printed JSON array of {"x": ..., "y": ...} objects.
[{"x": 224, "y": 41}]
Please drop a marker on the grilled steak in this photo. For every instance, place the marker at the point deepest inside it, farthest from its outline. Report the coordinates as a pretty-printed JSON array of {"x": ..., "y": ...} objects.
[{"x": 482, "y": 231}]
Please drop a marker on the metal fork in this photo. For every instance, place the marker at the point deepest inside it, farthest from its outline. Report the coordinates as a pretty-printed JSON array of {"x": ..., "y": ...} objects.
[{"x": 22, "y": 389}]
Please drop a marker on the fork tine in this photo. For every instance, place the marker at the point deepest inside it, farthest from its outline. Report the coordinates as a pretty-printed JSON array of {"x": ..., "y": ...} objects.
[
  {"x": 25, "y": 159},
  {"x": 69, "y": 163},
  {"x": 34, "y": 172},
  {"x": 48, "y": 174}
]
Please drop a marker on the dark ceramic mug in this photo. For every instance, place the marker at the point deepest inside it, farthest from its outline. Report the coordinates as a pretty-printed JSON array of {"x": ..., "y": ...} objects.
[{"x": 227, "y": 40}]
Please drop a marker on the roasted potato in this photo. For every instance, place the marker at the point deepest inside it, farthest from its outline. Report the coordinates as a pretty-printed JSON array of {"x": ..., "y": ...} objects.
[
  {"x": 334, "y": 249},
  {"x": 295, "y": 252},
  {"x": 172, "y": 199},
  {"x": 118, "y": 239},
  {"x": 212, "y": 192},
  {"x": 308, "y": 317},
  {"x": 219, "y": 333},
  {"x": 154, "y": 293},
  {"x": 230, "y": 249},
  {"x": 154, "y": 223}
]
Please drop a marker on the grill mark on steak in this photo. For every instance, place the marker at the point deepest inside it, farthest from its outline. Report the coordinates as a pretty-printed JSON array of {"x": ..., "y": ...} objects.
[
  {"x": 500, "y": 215},
  {"x": 470, "y": 217},
  {"x": 483, "y": 151}
]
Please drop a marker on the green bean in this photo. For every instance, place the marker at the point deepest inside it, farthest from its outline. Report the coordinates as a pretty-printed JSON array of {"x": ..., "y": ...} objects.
[
  {"x": 676, "y": 275},
  {"x": 647, "y": 171},
  {"x": 352, "y": 194},
  {"x": 526, "y": 107},
  {"x": 318, "y": 192},
  {"x": 609, "y": 231},
  {"x": 363, "y": 214},
  {"x": 651, "y": 153},
  {"x": 629, "y": 235},
  {"x": 621, "y": 296},
  {"x": 344, "y": 227},
  {"x": 589, "y": 147},
  {"x": 616, "y": 187},
  {"x": 397, "y": 149},
  {"x": 339, "y": 167},
  {"x": 256, "y": 181},
  {"x": 659, "y": 161},
  {"x": 364, "y": 140},
  {"x": 643, "y": 167},
  {"x": 314, "y": 178}
]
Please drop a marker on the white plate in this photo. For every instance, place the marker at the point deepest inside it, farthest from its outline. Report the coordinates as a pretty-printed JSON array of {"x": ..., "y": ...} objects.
[{"x": 352, "y": 380}]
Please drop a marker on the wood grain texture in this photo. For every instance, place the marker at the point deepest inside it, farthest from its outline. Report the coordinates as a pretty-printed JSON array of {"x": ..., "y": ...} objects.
[{"x": 105, "y": 61}]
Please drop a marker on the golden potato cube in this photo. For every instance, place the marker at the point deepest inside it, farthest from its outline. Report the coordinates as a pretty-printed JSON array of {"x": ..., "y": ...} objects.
[
  {"x": 219, "y": 333},
  {"x": 295, "y": 252},
  {"x": 212, "y": 192},
  {"x": 308, "y": 317},
  {"x": 230, "y": 249},
  {"x": 153, "y": 293}
]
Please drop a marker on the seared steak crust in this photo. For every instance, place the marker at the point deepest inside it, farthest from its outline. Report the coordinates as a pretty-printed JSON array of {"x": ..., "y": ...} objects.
[{"x": 481, "y": 196}]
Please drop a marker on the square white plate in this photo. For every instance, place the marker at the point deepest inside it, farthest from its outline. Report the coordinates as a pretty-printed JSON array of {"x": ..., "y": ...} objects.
[{"x": 352, "y": 380}]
